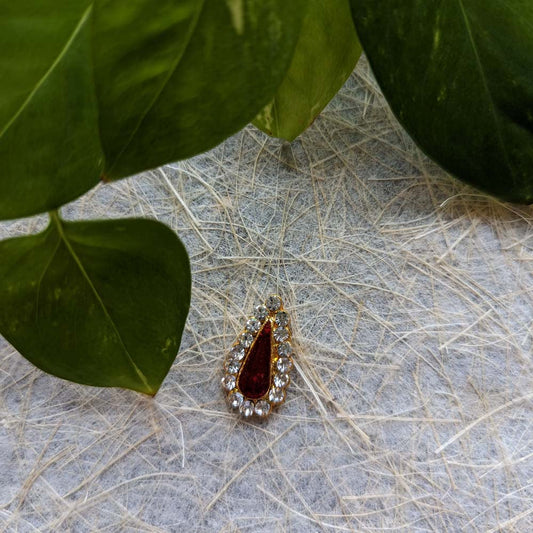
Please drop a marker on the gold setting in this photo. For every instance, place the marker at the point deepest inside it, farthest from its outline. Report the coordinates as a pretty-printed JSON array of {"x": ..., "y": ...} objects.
[{"x": 259, "y": 407}]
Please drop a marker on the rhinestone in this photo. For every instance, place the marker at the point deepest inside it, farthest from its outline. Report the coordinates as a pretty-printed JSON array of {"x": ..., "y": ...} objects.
[
  {"x": 276, "y": 395},
  {"x": 235, "y": 400},
  {"x": 284, "y": 364},
  {"x": 246, "y": 339},
  {"x": 229, "y": 382},
  {"x": 261, "y": 312},
  {"x": 247, "y": 409},
  {"x": 282, "y": 318},
  {"x": 253, "y": 325},
  {"x": 237, "y": 352},
  {"x": 281, "y": 380},
  {"x": 281, "y": 334},
  {"x": 273, "y": 302},
  {"x": 262, "y": 408},
  {"x": 233, "y": 366},
  {"x": 285, "y": 348}
]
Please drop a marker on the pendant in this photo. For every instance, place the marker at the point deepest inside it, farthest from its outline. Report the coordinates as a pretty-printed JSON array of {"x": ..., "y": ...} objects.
[{"x": 256, "y": 370}]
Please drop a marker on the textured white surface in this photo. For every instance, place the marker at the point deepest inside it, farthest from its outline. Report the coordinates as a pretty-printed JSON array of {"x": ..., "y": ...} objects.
[{"x": 411, "y": 406}]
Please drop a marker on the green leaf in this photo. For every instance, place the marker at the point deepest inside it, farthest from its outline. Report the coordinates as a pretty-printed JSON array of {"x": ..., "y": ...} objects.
[
  {"x": 458, "y": 74},
  {"x": 110, "y": 88},
  {"x": 99, "y": 303},
  {"x": 326, "y": 54},
  {"x": 49, "y": 145},
  {"x": 205, "y": 69}
]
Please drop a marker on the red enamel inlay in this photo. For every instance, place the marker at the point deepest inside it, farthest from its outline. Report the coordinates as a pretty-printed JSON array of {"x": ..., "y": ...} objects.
[{"x": 254, "y": 380}]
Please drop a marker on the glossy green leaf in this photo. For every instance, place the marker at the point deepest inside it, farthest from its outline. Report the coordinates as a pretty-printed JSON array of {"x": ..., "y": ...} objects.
[
  {"x": 458, "y": 74},
  {"x": 99, "y": 303},
  {"x": 49, "y": 144},
  {"x": 109, "y": 88},
  {"x": 326, "y": 54}
]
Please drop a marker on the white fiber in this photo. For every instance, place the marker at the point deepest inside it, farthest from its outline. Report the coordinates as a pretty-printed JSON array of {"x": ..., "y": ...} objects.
[{"x": 411, "y": 404}]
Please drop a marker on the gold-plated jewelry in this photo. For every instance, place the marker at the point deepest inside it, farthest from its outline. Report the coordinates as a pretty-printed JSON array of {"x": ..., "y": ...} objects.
[{"x": 257, "y": 367}]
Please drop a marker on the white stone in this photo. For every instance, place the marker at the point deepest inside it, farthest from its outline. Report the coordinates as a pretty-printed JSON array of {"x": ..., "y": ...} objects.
[
  {"x": 276, "y": 395},
  {"x": 284, "y": 349},
  {"x": 237, "y": 352},
  {"x": 253, "y": 325},
  {"x": 273, "y": 302},
  {"x": 229, "y": 382},
  {"x": 261, "y": 312},
  {"x": 233, "y": 366},
  {"x": 262, "y": 408},
  {"x": 281, "y": 334},
  {"x": 246, "y": 339},
  {"x": 282, "y": 318},
  {"x": 235, "y": 400},
  {"x": 284, "y": 365},
  {"x": 281, "y": 380},
  {"x": 247, "y": 409}
]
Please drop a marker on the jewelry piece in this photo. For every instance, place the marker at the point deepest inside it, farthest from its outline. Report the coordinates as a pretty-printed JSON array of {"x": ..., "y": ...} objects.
[{"x": 256, "y": 369}]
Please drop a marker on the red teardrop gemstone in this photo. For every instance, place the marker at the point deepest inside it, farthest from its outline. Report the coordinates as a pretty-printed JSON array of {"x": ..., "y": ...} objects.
[{"x": 254, "y": 379}]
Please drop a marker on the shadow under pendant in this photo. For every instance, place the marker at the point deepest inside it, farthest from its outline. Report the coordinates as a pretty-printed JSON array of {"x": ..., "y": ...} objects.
[{"x": 256, "y": 369}]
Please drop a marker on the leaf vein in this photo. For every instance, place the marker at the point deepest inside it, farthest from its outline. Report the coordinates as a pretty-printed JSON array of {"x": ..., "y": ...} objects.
[
  {"x": 47, "y": 266},
  {"x": 485, "y": 86},
  {"x": 158, "y": 93},
  {"x": 49, "y": 72},
  {"x": 84, "y": 273}
]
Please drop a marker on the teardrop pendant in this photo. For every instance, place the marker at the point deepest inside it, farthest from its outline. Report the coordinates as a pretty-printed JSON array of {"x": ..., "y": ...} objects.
[{"x": 257, "y": 367}]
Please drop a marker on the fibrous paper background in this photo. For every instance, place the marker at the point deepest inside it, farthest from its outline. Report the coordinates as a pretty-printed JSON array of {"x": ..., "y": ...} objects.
[{"x": 411, "y": 300}]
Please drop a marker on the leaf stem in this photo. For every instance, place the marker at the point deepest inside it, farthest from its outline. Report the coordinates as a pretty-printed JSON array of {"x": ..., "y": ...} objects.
[{"x": 55, "y": 217}]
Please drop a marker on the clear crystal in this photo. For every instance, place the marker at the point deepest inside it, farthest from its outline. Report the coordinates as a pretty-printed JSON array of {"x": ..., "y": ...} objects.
[
  {"x": 273, "y": 302},
  {"x": 284, "y": 349},
  {"x": 233, "y": 366},
  {"x": 261, "y": 312},
  {"x": 281, "y": 334},
  {"x": 262, "y": 408},
  {"x": 229, "y": 381},
  {"x": 282, "y": 318},
  {"x": 235, "y": 400},
  {"x": 246, "y": 339},
  {"x": 284, "y": 365},
  {"x": 247, "y": 409},
  {"x": 281, "y": 380},
  {"x": 276, "y": 395},
  {"x": 253, "y": 325},
  {"x": 237, "y": 352}
]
